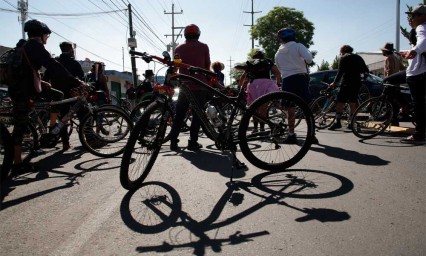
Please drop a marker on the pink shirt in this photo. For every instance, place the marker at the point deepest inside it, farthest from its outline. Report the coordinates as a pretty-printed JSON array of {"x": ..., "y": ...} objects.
[{"x": 260, "y": 87}]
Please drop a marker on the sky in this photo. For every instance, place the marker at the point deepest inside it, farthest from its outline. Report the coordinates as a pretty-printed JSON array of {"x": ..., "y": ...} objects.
[{"x": 101, "y": 34}]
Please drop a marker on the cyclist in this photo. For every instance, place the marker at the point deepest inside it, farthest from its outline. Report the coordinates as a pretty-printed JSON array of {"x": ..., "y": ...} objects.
[
  {"x": 147, "y": 84},
  {"x": 36, "y": 56},
  {"x": 67, "y": 59},
  {"x": 351, "y": 66},
  {"x": 291, "y": 59},
  {"x": 258, "y": 73},
  {"x": 195, "y": 53}
]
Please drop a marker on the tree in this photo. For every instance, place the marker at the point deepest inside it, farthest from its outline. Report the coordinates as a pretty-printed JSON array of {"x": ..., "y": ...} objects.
[
  {"x": 324, "y": 65},
  {"x": 266, "y": 28},
  {"x": 335, "y": 64}
]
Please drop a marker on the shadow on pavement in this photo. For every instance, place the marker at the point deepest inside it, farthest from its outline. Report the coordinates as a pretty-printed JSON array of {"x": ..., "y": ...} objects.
[{"x": 156, "y": 206}]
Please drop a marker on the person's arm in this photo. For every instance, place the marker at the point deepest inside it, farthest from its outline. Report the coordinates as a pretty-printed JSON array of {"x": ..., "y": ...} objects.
[
  {"x": 339, "y": 72},
  {"x": 388, "y": 63},
  {"x": 277, "y": 74},
  {"x": 305, "y": 54},
  {"x": 103, "y": 81}
]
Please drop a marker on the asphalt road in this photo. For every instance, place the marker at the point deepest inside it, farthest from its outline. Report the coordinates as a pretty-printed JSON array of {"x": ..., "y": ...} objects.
[{"x": 345, "y": 197}]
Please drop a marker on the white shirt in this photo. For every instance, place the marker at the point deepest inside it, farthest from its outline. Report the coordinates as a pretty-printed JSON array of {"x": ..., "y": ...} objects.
[
  {"x": 291, "y": 59},
  {"x": 417, "y": 65}
]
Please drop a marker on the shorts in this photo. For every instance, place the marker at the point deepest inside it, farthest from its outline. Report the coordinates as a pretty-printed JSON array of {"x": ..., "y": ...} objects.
[
  {"x": 299, "y": 85},
  {"x": 348, "y": 93}
]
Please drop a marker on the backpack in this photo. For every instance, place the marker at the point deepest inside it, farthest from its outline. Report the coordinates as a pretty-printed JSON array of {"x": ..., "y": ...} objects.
[{"x": 11, "y": 65}]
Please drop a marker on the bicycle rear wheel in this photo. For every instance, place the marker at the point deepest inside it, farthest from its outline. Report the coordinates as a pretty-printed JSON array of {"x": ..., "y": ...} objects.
[
  {"x": 144, "y": 144},
  {"x": 6, "y": 153},
  {"x": 324, "y": 112},
  {"x": 105, "y": 132},
  {"x": 269, "y": 149},
  {"x": 372, "y": 117}
]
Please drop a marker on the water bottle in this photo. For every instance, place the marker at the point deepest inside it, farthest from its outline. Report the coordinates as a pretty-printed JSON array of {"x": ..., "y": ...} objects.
[
  {"x": 57, "y": 128},
  {"x": 213, "y": 116}
]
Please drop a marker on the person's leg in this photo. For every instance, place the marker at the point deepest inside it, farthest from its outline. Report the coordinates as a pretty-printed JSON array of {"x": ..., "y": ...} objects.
[
  {"x": 182, "y": 107},
  {"x": 193, "y": 144},
  {"x": 417, "y": 89}
]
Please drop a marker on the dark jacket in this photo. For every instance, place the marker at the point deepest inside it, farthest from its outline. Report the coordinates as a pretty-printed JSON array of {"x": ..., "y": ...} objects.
[
  {"x": 73, "y": 67},
  {"x": 38, "y": 56},
  {"x": 351, "y": 66}
]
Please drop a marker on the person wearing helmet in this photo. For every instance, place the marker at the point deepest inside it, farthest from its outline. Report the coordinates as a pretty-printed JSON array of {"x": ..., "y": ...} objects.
[
  {"x": 292, "y": 59},
  {"x": 194, "y": 53},
  {"x": 351, "y": 67},
  {"x": 35, "y": 57}
]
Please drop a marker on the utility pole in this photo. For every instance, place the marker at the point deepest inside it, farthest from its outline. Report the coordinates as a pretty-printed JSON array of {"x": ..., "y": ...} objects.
[
  {"x": 23, "y": 7},
  {"x": 132, "y": 44},
  {"x": 252, "y": 22},
  {"x": 398, "y": 6},
  {"x": 173, "y": 44},
  {"x": 230, "y": 68}
]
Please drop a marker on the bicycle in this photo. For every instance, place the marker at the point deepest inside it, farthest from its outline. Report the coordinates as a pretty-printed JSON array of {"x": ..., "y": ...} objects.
[
  {"x": 103, "y": 131},
  {"x": 264, "y": 150},
  {"x": 375, "y": 115},
  {"x": 324, "y": 107}
]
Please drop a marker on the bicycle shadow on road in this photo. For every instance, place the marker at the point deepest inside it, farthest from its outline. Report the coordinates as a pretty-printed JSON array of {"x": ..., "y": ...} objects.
[
  {"x": 49, "y": 167},
  {"x": 213, "y": 161},
  {"x": 161, "y": 206},
  {"x": 349, "y": 155}
]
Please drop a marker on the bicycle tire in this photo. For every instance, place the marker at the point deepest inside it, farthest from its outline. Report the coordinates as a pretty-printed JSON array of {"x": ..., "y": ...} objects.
[
  {"x": 6, "y": 153},
  {"x": 269, "y": 151},
  {"x": 372, "y": 118},
  {"x": 105, "y": 131},
  {"x": 324, "y": 112},
  {"x": 143, "y": 145},
  {"x": 138, "y": 110}
]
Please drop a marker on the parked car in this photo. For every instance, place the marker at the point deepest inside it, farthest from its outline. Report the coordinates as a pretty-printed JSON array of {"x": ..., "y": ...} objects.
[{"x": 321, "y": 79}]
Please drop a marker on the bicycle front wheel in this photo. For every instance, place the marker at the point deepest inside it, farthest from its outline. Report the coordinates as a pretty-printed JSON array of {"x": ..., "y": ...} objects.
[
  {"x": 372, "y": 118},
  {"x": 105, "y": 132},
  {"x": 324, "y": 111},
  {"x": 272, "y": 148},
  {"x": 144, "y": 144}
]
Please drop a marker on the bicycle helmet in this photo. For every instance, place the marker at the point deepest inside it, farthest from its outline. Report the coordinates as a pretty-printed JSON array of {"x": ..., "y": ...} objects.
[
  {"x": 192, "y": 31},
  {"x": 36, "y": 28},
  {"x": 286, "y": 34}
]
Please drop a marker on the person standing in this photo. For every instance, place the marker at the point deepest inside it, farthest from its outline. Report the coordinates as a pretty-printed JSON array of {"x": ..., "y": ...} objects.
[
  {"x": 217, "y": 67},
  {"x": 351, "y": 68},
  {"x": 393, "y": 62},
  {"x": 416, "y": 72},
  {"x": 35, "y": 56},
  {"x": 194, "y": 53},
  {"x": 258, "y": 74},
  {"x": 292, "y": 59},
  {"x": 67, "y": 59},
  {"x": 146, "y": 85}
]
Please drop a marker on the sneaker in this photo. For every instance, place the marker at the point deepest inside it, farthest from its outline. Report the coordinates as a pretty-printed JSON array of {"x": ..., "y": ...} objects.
[
  {"x": 349, "y": 126},
  {"x": 413, "y": 140},
  {"x": 291, "y": 139},
  {"x": 174, "y": 145},
  {"x": 394, "y": 123},
  {"x": 193, "y": 145},
  {"x": 254, "y": 131},
  {"x": 335, "y": 126}
]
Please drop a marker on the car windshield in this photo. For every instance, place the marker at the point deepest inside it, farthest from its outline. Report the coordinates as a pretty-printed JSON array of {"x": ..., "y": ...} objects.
[{"x": 374, "y": 79}]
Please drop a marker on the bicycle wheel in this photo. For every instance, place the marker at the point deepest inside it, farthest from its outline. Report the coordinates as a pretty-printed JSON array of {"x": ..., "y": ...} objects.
[
  {"x": 144, "y": 144},
  {"x": 105, "y": 132},
  {"x": 324, "y": 112},
  {"x": 139, "y": 110},
  {"x": 372, "y": 117},
  {"x": 6, "y": 153},
  {"x": 269, "y": 149}
]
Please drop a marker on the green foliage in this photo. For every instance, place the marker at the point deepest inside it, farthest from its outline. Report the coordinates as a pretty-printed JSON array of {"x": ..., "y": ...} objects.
[
  {"x": 266, "y": 28},
  {"x": 335, "y": 64},
  {"x": 324, "y": 65}
]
